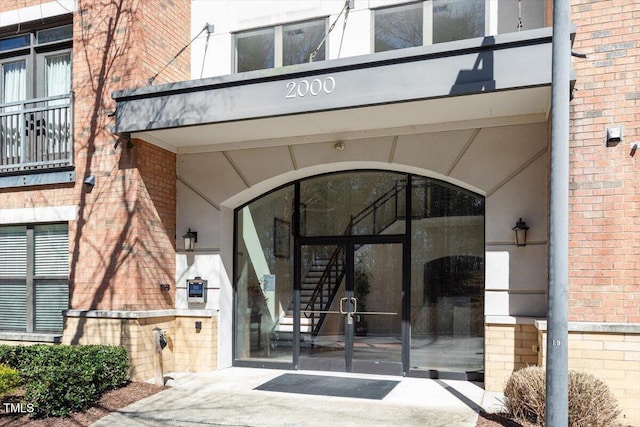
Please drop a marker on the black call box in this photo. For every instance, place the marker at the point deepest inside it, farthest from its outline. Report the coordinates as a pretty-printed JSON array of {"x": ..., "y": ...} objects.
[{"x": 196, "y": 290}]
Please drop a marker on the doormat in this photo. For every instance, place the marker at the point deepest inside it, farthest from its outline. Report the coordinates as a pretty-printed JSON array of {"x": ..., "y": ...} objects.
[{"x": 322, "y": 385}]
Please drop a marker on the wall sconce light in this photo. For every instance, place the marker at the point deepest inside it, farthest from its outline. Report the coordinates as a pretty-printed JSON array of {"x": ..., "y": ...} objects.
[
  {"x": 614, "y": 136},
  {"x": 88, "y": 183},
  {"x": 520, "y": 231},
  {"x": 190, "y": 240}
]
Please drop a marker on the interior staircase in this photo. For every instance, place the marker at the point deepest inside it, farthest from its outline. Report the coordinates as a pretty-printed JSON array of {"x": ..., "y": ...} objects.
[
  {"x": 323, "y": 278},
  {"x": 317, "y": 291}
]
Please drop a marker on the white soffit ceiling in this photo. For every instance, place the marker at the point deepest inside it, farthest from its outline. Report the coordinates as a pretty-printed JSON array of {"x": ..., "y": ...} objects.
[{"x": 524, "y": 105}]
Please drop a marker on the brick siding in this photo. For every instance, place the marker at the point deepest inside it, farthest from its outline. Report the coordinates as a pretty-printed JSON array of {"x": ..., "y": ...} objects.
[
  {"x": 122, "y": 247},
  {"x": 613, "y": 358},
  {"x": 604, "y": 185},
  {"x": 508, "y": 348}
]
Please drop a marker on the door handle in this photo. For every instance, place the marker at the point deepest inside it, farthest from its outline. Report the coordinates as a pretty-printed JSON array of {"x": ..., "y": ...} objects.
[
  {"x": 353, "y": 301},
  {"x": 342, "y": 301}
]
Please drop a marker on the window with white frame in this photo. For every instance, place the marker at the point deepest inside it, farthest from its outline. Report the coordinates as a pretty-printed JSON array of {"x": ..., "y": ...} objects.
[
  {"x": 420, "y": 23},
  {"x": 34, "y": 277},
  {"x": 281, "y": 45}
]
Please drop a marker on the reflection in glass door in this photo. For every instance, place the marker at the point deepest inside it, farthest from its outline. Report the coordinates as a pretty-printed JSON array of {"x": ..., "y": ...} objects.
[
  {"x": 322, "y": 326},
  {"x": 351, "y": 308},
  {"x": 362, "y": 271},
  {"x": 377, "y": 287}
]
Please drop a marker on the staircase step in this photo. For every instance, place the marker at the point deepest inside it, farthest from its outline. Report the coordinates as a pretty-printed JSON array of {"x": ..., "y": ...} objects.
[
  {"x": 289, "y": 321},
  {"x": 289, "y": 328}
]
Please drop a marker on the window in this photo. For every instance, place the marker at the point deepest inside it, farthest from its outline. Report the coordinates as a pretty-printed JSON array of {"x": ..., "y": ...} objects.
[
  {"x": 300, "y": 248},
  {"x": 32, "y": 54},
  {"x": 280, "y": 45},
  {"x": 35, "y": 100},
  {"x": 398, "y": 27},
  {"x": 300, "y": 40},
  {"x": 34, "y": 284},
  {"x": 403, "y": 26},
  {"x": 255, "y": 50},
  {"x": 457, "y": 20}
]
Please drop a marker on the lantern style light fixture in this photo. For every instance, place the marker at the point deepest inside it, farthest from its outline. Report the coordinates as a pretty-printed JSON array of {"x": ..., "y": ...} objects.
[
  {"x": 190, "y": 240},
  {"x": 520, "y": 231}
]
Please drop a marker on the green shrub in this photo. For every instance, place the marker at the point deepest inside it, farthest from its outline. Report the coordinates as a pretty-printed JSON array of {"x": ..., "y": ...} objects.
[
  {"x": 14, "y": 356},
  {"x": 591, "y": 402},
  {"x": 60, "y": 379},
  {"x": 9, "y": 379}
]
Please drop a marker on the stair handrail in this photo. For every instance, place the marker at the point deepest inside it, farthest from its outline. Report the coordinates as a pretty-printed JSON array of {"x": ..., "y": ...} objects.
[
  {"x": 309, "y": 311},
  {"x": 376, "y": 204},
  {"x": 317, "y": 291}
]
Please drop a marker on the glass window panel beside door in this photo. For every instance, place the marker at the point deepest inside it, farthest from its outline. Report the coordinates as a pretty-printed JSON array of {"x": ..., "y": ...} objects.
[
  {"x": 447, "y": 281},
  {"x": 264, "y": 278}
]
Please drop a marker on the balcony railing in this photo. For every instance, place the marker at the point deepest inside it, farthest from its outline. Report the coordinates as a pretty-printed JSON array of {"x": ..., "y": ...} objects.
[{"x": 36, "y": 134}]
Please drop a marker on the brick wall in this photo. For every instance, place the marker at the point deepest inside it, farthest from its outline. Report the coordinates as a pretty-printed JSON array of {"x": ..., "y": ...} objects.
[
  {"x": 136, "y": 335},
  {"x": 122, "y": 245},
  {"x": 195, "y": 350},
  {"x": 188, "y": 349},
  {"x": 604, "y": 185},
  {"x": 507, "y": 349},
  {"x": 613, "y": 358}
]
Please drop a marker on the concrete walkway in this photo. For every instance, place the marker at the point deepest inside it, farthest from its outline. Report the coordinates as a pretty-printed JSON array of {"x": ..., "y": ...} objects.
[{"x": 227, "y": 398}]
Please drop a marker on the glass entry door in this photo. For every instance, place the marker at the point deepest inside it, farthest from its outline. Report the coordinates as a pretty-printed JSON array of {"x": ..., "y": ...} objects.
[{"x": 351, "y": 307}]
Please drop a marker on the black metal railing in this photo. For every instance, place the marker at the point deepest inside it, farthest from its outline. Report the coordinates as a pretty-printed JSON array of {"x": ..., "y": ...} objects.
[
  {"x": 431, "y": 200},
  {"x": 325, "y": 290},
  {"x": 328, "y": 284},
  {"x": 36, "y": 134}
]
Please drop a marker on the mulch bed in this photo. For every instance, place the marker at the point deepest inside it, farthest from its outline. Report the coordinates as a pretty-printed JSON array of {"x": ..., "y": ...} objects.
[{"x": 110, "y": 401}]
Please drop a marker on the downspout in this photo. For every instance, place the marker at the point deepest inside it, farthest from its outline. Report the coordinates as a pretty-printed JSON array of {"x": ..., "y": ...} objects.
[{"x": 557, "y": 388}]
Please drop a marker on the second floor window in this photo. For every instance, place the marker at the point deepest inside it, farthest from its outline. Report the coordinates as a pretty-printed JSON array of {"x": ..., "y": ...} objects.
[
  {"x": 403, "y": 26},
  {"x": 35, "y": 100},
  {"x": 36, "y": 64},
  {"x": 398, "y": 27},
  {"x": 280, "y": 45}
]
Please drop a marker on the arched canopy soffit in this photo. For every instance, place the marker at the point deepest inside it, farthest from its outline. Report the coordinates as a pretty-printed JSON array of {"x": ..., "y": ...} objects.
[
  {"x": 481, "y": 160},
  {"x": 286, "y": 178}
]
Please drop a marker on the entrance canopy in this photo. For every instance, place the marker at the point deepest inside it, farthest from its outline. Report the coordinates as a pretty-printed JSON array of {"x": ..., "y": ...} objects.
[{"x": 504, "y": 78}]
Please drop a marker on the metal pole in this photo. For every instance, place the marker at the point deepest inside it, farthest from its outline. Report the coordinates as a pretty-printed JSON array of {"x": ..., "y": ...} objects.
[{"x": 557, "y": 389}]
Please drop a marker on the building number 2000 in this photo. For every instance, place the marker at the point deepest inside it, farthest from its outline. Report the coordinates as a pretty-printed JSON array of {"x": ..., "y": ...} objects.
[{"x": 314, "y": 87}]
